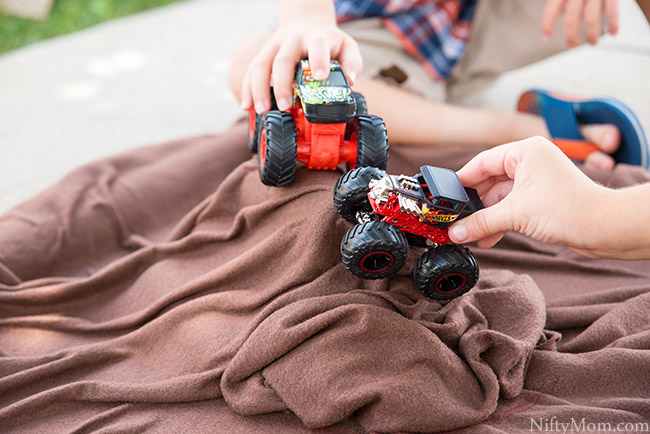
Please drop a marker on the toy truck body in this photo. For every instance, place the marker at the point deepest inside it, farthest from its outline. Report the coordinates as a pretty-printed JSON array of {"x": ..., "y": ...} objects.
[
  {"x": 392, "y": 212},
  {"x": 326, "y": 126}
]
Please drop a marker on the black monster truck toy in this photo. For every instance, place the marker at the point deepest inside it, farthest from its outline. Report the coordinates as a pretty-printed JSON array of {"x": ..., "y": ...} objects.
[
  {"x": 327, "y": 125},
  {"x": 395, "y": 211}
]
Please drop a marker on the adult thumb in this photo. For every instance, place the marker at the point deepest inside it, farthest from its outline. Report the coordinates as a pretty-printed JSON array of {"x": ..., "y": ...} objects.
[{"x": 482, "y": 224}]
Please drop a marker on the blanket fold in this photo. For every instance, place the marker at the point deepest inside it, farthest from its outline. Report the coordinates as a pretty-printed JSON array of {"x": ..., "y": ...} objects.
[{"x": 167, "y": 290}]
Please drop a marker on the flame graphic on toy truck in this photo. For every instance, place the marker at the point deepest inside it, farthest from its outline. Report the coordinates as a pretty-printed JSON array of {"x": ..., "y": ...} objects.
[
  {"x": 392, "y": 212},
  {"x": 327, "y": 125}
]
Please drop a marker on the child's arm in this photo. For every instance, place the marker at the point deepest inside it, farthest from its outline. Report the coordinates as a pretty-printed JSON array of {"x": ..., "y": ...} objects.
[
  {"x": 306, "y": 28},
  {"x": 533, "y": 188}
]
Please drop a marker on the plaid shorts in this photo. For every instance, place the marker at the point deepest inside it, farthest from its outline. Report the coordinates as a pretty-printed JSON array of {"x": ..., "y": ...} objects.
[{"x": 435, "y": 32}]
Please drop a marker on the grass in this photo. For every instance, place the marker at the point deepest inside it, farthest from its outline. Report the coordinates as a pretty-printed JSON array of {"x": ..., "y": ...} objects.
[{"x": 67, "y": 16}]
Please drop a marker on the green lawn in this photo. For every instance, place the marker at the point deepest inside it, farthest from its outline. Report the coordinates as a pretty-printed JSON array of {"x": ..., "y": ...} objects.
[{"x": 67, "y": 16}]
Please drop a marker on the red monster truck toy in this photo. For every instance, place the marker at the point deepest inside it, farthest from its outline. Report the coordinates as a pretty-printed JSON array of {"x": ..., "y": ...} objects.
[
  {"x": 326, "y": 126},
  {"x": 395, "y": 211}
]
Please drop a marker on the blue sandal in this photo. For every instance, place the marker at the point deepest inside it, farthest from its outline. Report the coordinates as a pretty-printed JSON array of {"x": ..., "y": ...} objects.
[{"x": 563, "y": 114}]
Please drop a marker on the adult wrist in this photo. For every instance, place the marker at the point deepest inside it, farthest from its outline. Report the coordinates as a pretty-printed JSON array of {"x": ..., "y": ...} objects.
[{"x": 616, "y": 225}]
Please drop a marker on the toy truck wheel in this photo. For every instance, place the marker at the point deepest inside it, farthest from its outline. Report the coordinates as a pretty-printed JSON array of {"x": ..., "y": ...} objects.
[
  {"x": 277, "y": 148},
  {"x": 446, "y": 272},
  {"x": 254, "y": 127},
  {"x": 372, "y": 141},
  {"x": 351, "y": 192},
  {"x": 374, "y": 250},
  {"x": 362, "y": 107}
]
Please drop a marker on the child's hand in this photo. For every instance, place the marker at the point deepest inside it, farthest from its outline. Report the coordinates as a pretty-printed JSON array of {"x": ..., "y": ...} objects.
[
  {"x": 533, "y": 188},
  {"x": 303, "y": 31},
  {"x": 588, "y": 11}
]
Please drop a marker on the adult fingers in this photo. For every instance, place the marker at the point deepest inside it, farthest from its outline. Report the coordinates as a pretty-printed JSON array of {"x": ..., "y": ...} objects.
[
  {"x": 550, "y": 14},
  {"x": 284, "y": 66},
  {"x": 572, "y": 17},
  {"x": 497, "y": 192},
  {"x": 488, "y": 183},
  {"x": 260, "y": 78},
  {"x": 350, "y": 59},
  {"x": 482, "y": 224},
  {"x": 319, "y": 57},
  {"x": 490, "y": 241},
  {"x": 611, "y": 16},
  {"x": 488, "y": 164},
  {"x": 592, "y": 19}
]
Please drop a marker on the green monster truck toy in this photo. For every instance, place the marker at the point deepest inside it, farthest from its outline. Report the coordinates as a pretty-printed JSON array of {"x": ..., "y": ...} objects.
[{"x": 327, "y": 125}]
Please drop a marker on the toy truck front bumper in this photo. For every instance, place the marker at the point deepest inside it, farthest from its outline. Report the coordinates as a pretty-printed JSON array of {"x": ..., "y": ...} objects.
[{"x": 330, "y": 113}]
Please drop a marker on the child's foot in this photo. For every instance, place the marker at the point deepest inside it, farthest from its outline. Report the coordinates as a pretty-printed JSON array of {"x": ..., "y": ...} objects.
[
  {"x": 606, "y": 137},
  {"x": 582, "y": 127}
]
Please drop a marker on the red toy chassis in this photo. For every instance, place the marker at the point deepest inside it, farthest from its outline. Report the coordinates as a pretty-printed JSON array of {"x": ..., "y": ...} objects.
[
  {"x": 395, "y": 211},
  {"x": 326, "y": 126}
]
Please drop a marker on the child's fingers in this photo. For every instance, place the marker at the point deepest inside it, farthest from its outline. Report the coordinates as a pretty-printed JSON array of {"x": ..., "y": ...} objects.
[
  {"x": 592, "y": 15},
  {"x": 318, "y": 51},
  {"x": 572, "y": 16},
  {"x": 246, "y": 98},
  {"x": 611, "y": 16},
  {"x": 284, "y": 66},
  {"x": 552, "y": 9},
  {"x": 261, "y": 78},
  {"x": 350, "y": 58}
]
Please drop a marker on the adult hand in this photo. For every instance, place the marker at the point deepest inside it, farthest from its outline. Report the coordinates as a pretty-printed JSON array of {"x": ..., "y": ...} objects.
[
  {"x": 303, "y": 31},
  {"x": 576, "y": 11},
  {"x": 531, "y": 187}
]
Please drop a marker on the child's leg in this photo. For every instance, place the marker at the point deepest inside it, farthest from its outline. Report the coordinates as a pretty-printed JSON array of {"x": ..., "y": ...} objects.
[
  {"x": 398, "y": 89},
  {"x": 413, "y": 119}
]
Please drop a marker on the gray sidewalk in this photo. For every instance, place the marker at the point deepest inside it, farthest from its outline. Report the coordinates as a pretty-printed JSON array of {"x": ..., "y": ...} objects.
[{"x": 162, "y": 74}]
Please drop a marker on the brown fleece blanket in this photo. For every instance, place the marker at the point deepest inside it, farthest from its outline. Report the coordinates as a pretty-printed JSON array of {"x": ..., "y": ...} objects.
[{"x": 167, "y": 290}]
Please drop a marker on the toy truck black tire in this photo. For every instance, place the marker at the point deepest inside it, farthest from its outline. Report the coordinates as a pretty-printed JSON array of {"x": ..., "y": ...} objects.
[
  {"x": 278, "y": 148},
  {"x": 446, "y": 272},
  {"x": 372, "y": 141},
  {"x": 351, "y": 192},
  {"x": 362, "y": 107},
  {"x": 254, "y": 127},
  {"x": 374, "y": 250}
]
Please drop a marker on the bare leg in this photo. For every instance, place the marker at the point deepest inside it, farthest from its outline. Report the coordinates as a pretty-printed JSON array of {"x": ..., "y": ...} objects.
[{"x": 415, "y": 120}]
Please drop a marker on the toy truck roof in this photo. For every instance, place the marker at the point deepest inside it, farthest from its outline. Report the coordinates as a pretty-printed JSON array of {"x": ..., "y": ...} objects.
[
  {"x": 444, "y": 184},
  {"x": 334, "y": 89}
]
